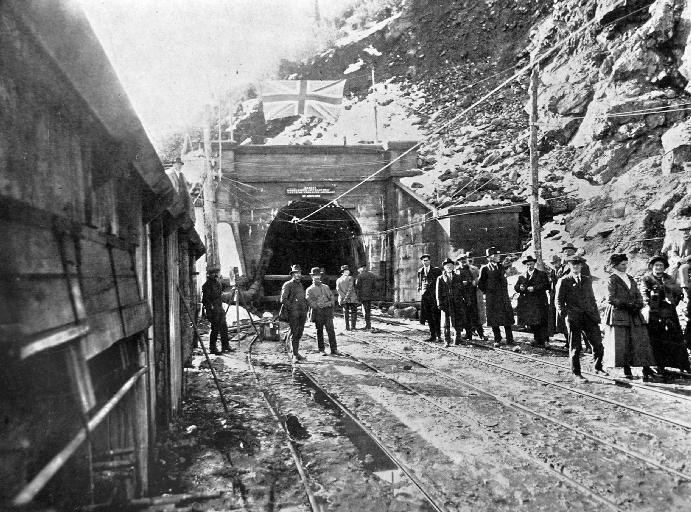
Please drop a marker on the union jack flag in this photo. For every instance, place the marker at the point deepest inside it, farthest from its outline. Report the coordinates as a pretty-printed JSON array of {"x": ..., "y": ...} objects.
[{"x": 311, "y": 98}]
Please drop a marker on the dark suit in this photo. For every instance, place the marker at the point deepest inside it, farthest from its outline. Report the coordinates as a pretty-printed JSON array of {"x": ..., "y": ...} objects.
[
  {"x": 577, "y": 305},
  {"x": 212, "y": 293},
  {"x": 498, "y": 304},
  {"x": 533, "y": 307},
  {"x": 452, "y": 303},
  {"x": 429, "y": 312}
]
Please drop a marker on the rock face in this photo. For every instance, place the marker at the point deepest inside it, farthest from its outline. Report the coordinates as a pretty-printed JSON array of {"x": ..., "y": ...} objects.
[{"x": 614, "y": 109}]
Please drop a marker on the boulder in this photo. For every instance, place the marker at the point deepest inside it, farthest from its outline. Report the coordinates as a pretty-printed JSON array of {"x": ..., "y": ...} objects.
[{"x": 676, "y": 143}]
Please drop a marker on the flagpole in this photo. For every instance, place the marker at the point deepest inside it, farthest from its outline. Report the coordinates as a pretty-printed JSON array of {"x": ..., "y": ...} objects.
[{"x": 376, "y": 124}]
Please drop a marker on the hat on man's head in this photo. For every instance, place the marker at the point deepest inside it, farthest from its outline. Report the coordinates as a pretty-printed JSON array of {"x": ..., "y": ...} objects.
[
  {"x": 447, "y": 261},
  {"x": 568, "y": 245},
  {"x": 491, "y": 251},
  {"x": 617, "y": 258},
  {"x": 555, "y": 259},
  {"x": 527, "y": 259},
  {"x": 425, "y": 256},
  {"x": 656, "y": 258},
  {"x": 575, "y": 258},
  {"x": 178, "y": 160},
  {"x": 316, "y": 272},
  {"x": 295, "y": 268},
  {"x": 463, "y": 256},
  {"x": 213, "y": 270},
  {"x": 344, "y": 267}
]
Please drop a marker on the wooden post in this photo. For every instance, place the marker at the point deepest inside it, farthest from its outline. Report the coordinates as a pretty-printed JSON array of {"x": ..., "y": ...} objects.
[
  {"x": 534, "y": 198},
  {"x": 209, "y": 196},
  {"x": 237, "y": 312},
  {"x": 376, "y": 122}
]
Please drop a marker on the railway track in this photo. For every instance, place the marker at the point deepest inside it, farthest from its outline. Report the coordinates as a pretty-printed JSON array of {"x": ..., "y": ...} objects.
[
  {"x": 533, "y": 412},
  {"x": 432, "y": 502},
  {"x": 578, "y": 490},
  {"x": 612, "y": 453},
  {"x": 651, "y": 389},
  {"x": 314, "y": 505}
]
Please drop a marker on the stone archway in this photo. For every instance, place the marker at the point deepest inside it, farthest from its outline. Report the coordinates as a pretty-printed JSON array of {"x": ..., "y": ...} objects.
[{"x": 328, "y": 239}]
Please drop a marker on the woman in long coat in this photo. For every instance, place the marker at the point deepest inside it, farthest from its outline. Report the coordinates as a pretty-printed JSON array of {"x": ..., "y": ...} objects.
[
  {"x": 662, "y": 294},
  {"x": 626, "y": 339},
  {"x": 533, "y": 309}
]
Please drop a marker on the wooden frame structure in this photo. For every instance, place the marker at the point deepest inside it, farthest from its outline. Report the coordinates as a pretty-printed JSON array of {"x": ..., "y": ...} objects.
[{"x": 95, "y": 237}]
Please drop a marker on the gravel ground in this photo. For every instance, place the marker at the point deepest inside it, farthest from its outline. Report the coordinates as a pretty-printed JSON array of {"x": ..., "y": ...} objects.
[{"x": 473, "y": 453}]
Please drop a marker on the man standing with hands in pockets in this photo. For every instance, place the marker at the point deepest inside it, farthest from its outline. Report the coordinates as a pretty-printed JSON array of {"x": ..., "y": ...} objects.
[{"x": 321, "y": 302}]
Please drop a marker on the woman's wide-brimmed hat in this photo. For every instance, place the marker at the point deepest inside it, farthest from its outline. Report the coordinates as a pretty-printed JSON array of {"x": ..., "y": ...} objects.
[
  {"x": 656, "y": 258},
  {"x": 617, "y": 258}
]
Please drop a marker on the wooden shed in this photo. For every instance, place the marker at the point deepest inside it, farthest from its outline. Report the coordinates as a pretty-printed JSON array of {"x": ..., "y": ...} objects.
[{"x": 95, "y": 239}]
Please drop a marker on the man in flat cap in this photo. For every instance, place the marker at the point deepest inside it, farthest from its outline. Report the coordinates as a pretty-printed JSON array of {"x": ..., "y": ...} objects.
[
  {"x": 429, "y": 312},
  {"x": 212, "y": 300},
  {"x": 498, "y": 304},
  {"x": 294, "y": 309},
  {"x": 577, "y": 305},
  {"x": 321, "y": 302},
  {"x": 533, "y": 308}
]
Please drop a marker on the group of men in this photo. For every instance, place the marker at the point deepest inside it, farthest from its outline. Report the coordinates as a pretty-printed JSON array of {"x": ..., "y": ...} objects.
[
  {"x": 318, "y": 301},
  {"x": 561, "y": 300}
]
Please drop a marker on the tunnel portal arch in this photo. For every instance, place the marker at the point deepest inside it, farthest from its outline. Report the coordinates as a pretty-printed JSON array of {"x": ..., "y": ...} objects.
[{"x": 328, "y": 239}]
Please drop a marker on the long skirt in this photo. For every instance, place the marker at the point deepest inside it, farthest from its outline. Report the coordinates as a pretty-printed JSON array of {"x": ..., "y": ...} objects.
[
  {"x": 627, "y": 345},
  {"x": 667, "y": 338}
]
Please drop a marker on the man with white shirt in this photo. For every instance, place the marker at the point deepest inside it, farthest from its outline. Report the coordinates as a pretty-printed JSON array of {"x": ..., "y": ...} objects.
[
  {"x": 533, "y": 307},
  {"x": 576, "y": 303}
]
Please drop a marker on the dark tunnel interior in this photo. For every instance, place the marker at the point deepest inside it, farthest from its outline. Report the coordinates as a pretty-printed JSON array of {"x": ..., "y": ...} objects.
[{"x": 328, "y": 239}]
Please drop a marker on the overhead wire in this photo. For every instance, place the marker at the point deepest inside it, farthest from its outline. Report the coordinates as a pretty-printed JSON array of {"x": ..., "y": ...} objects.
[{"x": 525, "y": 68}]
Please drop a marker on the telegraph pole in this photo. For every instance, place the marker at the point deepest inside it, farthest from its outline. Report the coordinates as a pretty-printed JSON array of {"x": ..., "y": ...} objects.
[
  {"x": 209, "y": 196},
  {"x": 535, "y": 196},
  {"x": 376, "y": 122}
]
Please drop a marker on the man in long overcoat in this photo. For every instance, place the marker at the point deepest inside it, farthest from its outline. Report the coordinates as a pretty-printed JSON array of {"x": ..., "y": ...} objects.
[
  {"x": 451, "y": 302},
  {"x": 365, "y": 286},
  {"x": 577, "y": 305},
  {"x": 212, "y": 300},
  {"x": 294, "y": 308},
  {"x": 498, "y": 304},
  {"x": 469, "y": 293},
  {"x": 429, "y": 312},
  {"x": 533, "y": 308}
]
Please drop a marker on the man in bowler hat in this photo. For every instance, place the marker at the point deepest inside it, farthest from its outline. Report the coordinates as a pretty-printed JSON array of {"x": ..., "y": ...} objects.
[
  {"x": 498, "y": 304},
  {"x": 576, "y": 303},
  {"x": 294, "y": 308},
  {"x": 533, "y": 308},
  {"x": 426, "y": 282},
  {"x": 452, "y": 302}
]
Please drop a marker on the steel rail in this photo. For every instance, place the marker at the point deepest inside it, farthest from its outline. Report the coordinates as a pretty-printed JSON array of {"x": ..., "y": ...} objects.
[
  {"x": 523, "y": 408},
  {"x": 389, "y": 453},
  {"x": 677, "y": 423},
  {"x": 616, "y": 380},
  {"x": 545, "y": 465},
  {"x": 291, "y": 444}
]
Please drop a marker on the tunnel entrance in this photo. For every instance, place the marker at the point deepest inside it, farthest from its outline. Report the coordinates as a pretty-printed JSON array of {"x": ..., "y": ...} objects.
[{"x": 328, "y": 239}]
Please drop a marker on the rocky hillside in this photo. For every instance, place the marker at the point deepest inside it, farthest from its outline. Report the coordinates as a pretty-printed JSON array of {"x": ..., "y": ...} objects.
[{"x": 614, "y": 110}]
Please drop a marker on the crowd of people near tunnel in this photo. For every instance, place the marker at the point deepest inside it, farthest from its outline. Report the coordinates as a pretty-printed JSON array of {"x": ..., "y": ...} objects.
[{"x": 641, "y": 324}]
